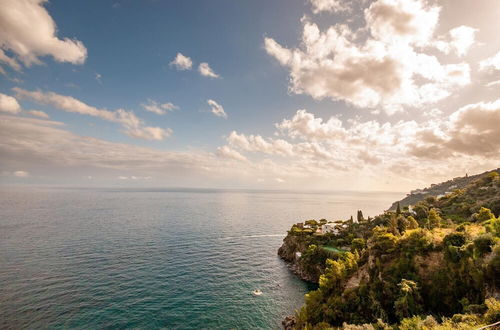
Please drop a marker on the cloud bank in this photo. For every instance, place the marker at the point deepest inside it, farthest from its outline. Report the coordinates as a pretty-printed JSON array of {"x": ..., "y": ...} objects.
[{"x": 390, "y": 62}]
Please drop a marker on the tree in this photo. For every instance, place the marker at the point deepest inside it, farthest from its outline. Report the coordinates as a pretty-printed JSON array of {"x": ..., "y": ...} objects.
[
  {"x": 412, "y": 223},
  {"x": 402, "y": 223},
  {"x": 311, "y": 223},
  {"x": 434, "y": 218},
  {"x": 393, "y": 225},
  {"x": 382, "y": 241},
  {"x": 421, "y": 211},
  {"x": 484, "y": 214},
  {"x": 360, "y": 216},
  {"x": 398, "y": 209},
  {"x": 409, "y": 301}
]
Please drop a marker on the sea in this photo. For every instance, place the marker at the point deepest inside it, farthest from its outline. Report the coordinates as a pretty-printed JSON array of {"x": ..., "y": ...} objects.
[{"x": 88, "y": 258}]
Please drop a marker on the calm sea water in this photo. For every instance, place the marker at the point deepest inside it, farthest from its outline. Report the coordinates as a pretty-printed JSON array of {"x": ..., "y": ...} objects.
[{"x": 97, "y": 258}]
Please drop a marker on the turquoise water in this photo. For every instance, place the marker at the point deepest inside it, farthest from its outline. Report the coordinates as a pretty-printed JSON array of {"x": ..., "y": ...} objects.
[{"x": 185, "y": 259}]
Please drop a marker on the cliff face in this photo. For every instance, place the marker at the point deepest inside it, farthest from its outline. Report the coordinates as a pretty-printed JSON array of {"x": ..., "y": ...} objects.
[{"x": 304, "y": 270}]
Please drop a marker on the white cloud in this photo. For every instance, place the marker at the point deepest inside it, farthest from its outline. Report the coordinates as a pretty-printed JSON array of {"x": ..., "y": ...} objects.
[
  {"x": 257, "y": 143},
  {"x": 368, "y": 151},
  {"x": 462, "y": 38},
  {"x": 206, "y": 70},
  {"x": 182, "y": 62},
  {"x": 458, "y": 40},
  {"x": 305, "y": 124},
  {"x": 227, "y": 152},
  {"x": 21, "y": 174},
  {"x": 471, "y": 130},
  {"x": 382, "y": 64},
  {"x": 216, "y": 109},
  {"x": 159, "y": 108},
  {"x": 462, "y": 141},
  {"x": 29, "y": 32},
  {"x": 9, "y": 61},
  {"x": 133, "y": 126},
  {"x": 38, "y": 113},
  {"x": 491, "y": 63},
  {"x": 47, "y": 148},
  {"x": 9, "y": 104},
  {"x": 334, "y": 6},
  {"x": 493, "y": 83}
]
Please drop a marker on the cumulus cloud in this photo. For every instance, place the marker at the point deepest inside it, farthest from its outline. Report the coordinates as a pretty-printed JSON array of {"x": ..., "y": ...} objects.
[
  {"x": 382, "y": 64},
  {"x": 329, "y": 6},
  {"x": 257, "y": 143},
  {"x": 206, "y": 70},
  {"x": 28, "y": 32},
  {"x": 216, "y": 109},
  {"x": 471, "y": 130},
  {"x": 466, "y": 139},
  {"x": 182, "y": 62},
  {"x": 132, "y": 125},
  {"x": 458, "y": 40},
  {"x": 159, "y": 108},
  {"x": 304, "y": 123},
  {"x": 9, "y": 104}
]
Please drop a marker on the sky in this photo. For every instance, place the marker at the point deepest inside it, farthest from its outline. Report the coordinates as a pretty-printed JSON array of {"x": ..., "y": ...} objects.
[{"x": 369, "y": 95}]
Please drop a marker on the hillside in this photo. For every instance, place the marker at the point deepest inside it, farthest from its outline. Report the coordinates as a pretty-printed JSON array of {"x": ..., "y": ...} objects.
[
  {"x": 438, "y": 189},
  {"x": 436, "y": 266}
]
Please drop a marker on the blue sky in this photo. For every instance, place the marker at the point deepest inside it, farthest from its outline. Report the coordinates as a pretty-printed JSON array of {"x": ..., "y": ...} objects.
[
  {"x": 378, "y": 99},
  {"x": 131, "y": 43}
]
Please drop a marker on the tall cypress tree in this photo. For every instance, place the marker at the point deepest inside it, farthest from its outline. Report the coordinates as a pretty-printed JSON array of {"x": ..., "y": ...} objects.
[{"x": 360, "y": 216}]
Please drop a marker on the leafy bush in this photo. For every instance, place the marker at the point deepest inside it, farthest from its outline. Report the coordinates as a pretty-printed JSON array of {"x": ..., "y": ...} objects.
[
  {"x": 416, "y": 241},
  {"x": 358, "y": 244},
  {"x": 455, "y": 239},
  {"x": 484, "y": 214},
  {"x": 483, "y": 244},
  {"x": 492, "y": 315},
  {"x": 383, "y": 242}
]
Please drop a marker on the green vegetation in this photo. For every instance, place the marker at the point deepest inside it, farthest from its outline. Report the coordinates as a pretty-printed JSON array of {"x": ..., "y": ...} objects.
[{"x": 433, "y": 266}]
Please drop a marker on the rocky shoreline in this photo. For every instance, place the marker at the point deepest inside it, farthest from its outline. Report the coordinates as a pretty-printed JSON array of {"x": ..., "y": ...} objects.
[{"x": 289, "y": 322}]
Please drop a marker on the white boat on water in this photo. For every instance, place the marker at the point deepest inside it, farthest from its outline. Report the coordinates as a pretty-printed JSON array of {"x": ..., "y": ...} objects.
[{"x": 257, "y": 292}]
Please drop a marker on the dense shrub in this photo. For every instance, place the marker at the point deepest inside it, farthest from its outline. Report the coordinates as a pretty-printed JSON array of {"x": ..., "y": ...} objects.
[
  {"x": 455, "y": 239},
  {"x": 483, "y": 244}
]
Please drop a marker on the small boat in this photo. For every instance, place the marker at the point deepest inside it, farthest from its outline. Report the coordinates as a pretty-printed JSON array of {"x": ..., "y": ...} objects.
[{"x": 257, "y": 292}]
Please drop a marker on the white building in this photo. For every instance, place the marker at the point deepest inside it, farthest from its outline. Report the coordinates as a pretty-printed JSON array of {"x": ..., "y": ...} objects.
[{"x": 332, "y": 228}]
